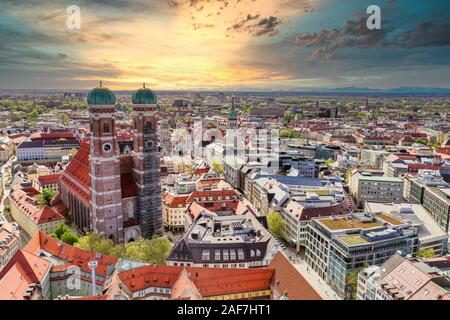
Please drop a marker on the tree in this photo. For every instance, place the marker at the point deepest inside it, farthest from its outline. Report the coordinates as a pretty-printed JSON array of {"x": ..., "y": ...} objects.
[
  {"x": 64, "y": 118},
  {"x": 422, "y": 141},
  {"x": 351, "y": 281},
  {"x": 94, "y": 242},
  {"x": 218, "y": 167},
  {"x": 276, "y": 223},
  {"x": 329, "y": 162},
  {"x": 63, "y": 233},
  {"x": 347, "y": 174},
  {"x": 69, "y": 237},
  {"x": 426, "y": 253},
  {"x": 59, "y": 231},
  {"x": 46, "y": 196},
  {"x": 149, "y": 250}
]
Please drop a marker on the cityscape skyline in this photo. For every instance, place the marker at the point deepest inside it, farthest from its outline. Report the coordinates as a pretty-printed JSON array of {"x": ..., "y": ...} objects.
[{"x": 223, "y": 45}]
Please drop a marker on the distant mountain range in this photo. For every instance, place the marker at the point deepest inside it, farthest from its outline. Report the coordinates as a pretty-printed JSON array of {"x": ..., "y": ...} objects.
[
  {"x": 413, "y": 90},
  {"x": 305, "y": 90}
]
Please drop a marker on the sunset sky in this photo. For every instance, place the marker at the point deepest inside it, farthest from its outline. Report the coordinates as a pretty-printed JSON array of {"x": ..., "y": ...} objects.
[{"x": 224, "y": 44}]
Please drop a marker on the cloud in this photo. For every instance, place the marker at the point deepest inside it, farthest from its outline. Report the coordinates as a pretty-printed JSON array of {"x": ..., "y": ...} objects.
[
  {"x": 426, "y": 34},
  {"x": 266, "y": 26},
  {"x": 241, "y": 23}
]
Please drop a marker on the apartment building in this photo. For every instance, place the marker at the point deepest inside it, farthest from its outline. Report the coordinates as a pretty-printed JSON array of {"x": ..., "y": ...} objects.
[
  {"x": 223, "y": 242},
  {"x": 433, "y": 193},
  {"x": 336, "y": 246},
  {"x": 400, "y": 278},
  {"x": 431, "y": 236},
  {"x": 366, "y": 187},
  {"x": 9, "y": 241}
]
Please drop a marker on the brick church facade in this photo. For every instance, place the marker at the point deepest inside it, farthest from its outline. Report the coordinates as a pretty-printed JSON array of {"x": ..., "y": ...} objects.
[{"x": 112, "y": 186}]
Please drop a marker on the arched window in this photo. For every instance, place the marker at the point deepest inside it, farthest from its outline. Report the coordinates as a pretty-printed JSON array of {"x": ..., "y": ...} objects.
[
  {"x": 148, "y": 124},
  {"x": 252, "y": 253},
  {"x": 106, "y": 127}
]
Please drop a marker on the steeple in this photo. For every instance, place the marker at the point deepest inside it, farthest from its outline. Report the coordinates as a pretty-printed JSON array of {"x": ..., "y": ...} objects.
[
  {"x": 232, "y": 115},
  {"x": 106, "y": 193},
  {"x": 146, "y": 162}
]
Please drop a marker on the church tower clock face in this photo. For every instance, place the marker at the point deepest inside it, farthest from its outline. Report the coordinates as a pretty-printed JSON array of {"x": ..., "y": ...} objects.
[
  {"x": 107, "y": 147},
  {"x": 148, "y": 143}
]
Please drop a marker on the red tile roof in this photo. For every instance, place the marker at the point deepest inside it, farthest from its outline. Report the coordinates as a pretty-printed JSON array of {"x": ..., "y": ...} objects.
[
  {"x": 175, "y": 200},
  {"x": 76, "y": 175},
  {"x": 200, "y": 171},
  {"x": 208, "y": 281},
  {"x": 29, "y": 206},
  {"x": 70, "y": 254},
  {"x": 212, "y": 193},
  {"x": 52, "y": 136},
  {"x": 49, "y": 179},
  {"x": 288, "y": 281},
  {"x": 22, "y": 270}
]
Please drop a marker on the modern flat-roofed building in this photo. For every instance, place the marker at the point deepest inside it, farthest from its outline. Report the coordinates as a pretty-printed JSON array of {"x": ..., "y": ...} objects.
[
  {"x": 433, "y": 193},
  {"x": 336, "y": 246},
  {"x": 367, "y": 187},
  {"x": 429, "y": 231}
]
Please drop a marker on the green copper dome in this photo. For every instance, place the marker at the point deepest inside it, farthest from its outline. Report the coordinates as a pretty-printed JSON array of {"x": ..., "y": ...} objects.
[
  {"x": 232, "y": 115},
  {"x": 144, "y": 96},
  {"x": 101, "y": 96}
]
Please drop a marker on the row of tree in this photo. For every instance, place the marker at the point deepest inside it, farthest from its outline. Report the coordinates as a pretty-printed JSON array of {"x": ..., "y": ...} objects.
[{"x": 148, "y": 250}]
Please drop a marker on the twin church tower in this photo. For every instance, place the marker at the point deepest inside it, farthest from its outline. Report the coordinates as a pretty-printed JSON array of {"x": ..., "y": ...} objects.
[{"x": 125, "y": 186}]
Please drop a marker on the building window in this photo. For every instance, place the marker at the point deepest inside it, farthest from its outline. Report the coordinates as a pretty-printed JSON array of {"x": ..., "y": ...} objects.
[
  {"x": 217, "y": 254},
  {"x": 225, "y": 254},
  {"x": 106, "y": 127},
  {"x": 205, "y": 255},
  {"x": 232, "y": 254},
  {"x": 241, "y": 254}
]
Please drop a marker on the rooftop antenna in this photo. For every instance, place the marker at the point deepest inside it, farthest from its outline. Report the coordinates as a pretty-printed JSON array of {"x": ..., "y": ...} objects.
[
  {"x": 93, "y": 265},
  {"x": 143, "y": 84},
  {"x": 101, "y": 84}
]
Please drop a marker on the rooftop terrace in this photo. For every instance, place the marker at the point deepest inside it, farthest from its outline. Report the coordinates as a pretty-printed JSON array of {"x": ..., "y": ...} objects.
[
  {"x": 348, "y": 223},
  {"x": 353, "y": 239}
]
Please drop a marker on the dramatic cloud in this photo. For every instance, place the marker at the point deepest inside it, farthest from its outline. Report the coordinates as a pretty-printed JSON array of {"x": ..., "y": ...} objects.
[
  {"x": 426, "y": 34},
  {"x": 189, "y": 44}
]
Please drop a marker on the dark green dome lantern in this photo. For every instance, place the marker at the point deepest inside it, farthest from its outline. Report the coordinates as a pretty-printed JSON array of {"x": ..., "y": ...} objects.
[
  {"x": 144, "y": 96},
  {"x": 101, "y": 96}
]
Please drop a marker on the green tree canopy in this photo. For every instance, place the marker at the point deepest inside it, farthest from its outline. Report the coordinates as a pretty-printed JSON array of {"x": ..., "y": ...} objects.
[
  {"x": 148, "y": 250},
  {"x": 94, "y": 242},
  {"x": 276, "y": 223},
  {"x": 46, "y": 196},
  {"x": 218, "y": 168},
  {"x": 351, "y": 281},
  {"x": 63, "y": 233},
  {"x": 59, "y": 231},
  {"x": 329, "y": 162},
  {"x": 69, "y": 237},
  {"x": 426, "y": 253},
  {"x": 422, "y": 141}
]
